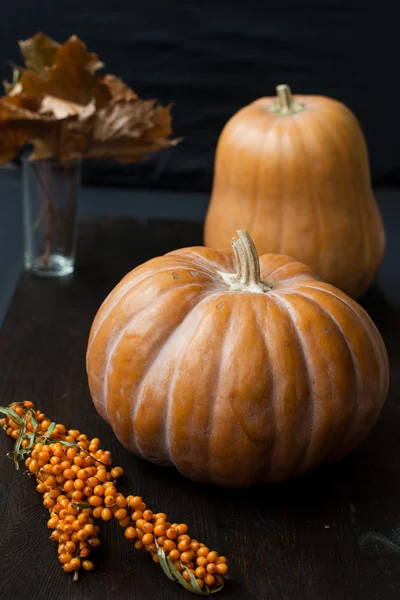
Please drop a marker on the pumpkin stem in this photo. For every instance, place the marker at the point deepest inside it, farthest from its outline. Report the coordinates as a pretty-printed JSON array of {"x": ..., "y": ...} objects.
[
  {"x": 248, "y": 277},
  {"x": 286, "y": 105},
  {"x": 285, "y": 97}
]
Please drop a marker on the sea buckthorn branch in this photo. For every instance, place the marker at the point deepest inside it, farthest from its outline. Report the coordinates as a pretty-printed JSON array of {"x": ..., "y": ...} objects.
[{"x": 78, "y": 484}]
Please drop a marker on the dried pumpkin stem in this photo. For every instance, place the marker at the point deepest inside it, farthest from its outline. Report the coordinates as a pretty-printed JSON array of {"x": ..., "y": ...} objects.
[
  {"x": 285, "y": 97},
  {"x": 286, "y": 105},
  {"x": 248, "y": 277}
]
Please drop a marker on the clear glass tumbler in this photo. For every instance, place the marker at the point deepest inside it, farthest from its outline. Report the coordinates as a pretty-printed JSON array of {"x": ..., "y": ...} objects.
[{"x": 50, "y": 206}]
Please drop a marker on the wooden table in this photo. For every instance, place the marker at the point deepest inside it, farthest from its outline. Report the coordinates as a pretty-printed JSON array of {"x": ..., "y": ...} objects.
[{"x": 333, "y": 534}]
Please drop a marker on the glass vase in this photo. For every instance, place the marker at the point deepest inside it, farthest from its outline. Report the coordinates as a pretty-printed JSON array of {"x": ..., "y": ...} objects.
[{"x": 50, "y": 206}]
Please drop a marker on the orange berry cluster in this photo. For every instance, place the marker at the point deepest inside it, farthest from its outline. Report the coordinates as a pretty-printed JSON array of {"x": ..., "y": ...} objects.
[
  {"x": 78, "y": 483},
  {"x": 152, "y": 530}
]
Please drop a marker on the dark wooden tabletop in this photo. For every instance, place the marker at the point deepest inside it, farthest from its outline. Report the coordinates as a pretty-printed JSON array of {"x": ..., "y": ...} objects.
[{"x": 333, "y": 534}]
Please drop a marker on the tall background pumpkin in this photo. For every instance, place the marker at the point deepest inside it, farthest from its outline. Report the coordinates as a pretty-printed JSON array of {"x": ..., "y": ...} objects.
[
  {"x": 294, "y": 172},
  {"x": 235, "y": 372}
]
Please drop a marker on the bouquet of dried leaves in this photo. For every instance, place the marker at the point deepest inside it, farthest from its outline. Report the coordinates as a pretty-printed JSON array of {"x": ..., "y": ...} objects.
[{"x": 61, "y": 106}]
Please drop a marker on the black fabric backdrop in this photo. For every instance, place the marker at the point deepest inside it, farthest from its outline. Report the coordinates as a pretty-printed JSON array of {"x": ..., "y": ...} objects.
[{"x": 210, "y": 57}]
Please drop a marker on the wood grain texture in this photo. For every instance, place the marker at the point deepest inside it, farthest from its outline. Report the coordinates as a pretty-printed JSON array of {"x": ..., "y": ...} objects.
[{"x": 333, "y": 534}]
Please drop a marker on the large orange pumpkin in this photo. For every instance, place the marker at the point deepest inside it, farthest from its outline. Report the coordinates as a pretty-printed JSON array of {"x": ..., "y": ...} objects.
[
  {"x": 235, "y": 373},
  {"x": 294, "y": 172}
]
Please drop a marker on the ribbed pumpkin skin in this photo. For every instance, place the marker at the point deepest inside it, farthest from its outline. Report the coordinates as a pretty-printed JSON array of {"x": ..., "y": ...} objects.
[
  {"x": 300, "y": 185},
  {"x": 234, "y": 387}
]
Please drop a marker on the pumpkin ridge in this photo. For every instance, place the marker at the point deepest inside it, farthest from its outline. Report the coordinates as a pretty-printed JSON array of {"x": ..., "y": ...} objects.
[
  {"x": 317, "y": 229},
  {"x": 282, "y": 203},
  {"x": 153, "y": 362},
  {"x": 378, "y": 352},
  {"x": 211, "y": 418},
  {"x": 202, "y": 265},
  {"x": 93, "y": 337},
  {"x": 310, "y": 419},
  {"x": 121, "y": 333},
  {"x": 353, "y": 414},
  {"x": 130, "y": 286},
  {"x": 257, "y": 185},
  {"x": 186, "y": 341},
  {"x": 358, "y": 207},
  {"x": 274, "y": 428}
]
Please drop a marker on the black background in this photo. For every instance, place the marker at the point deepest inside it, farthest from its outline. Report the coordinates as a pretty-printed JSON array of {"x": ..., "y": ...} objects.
[{"x": 211, "y": 57}]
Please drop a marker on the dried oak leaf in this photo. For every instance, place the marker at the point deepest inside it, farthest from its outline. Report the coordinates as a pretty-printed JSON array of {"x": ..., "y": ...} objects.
[
  {"x": 117, "y": 88},
  {"x": 128, "y": 128},
  {"x": 70, "y": 77},
  {"x": 17, "y": 126},
  {"x": 39, "y": 53}
]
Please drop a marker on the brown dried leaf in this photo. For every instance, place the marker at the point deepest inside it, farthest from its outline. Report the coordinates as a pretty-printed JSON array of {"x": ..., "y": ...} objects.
[
  {"x": 39, "y": 53},
  {"x": 125, "y": 150},
  {"x": 20, "y": 106},
  {"x": 117, "y": 88},
  {"x": 66, "y": 111},
  {"x": 162, "y": 124},
  {"x": 129, "y": 130},
  {"x": 13, "y": 87},
  {"x": 128, "y": 119},
  {"x": 62, "y": 109},
  {"x": 16, "y": 129},
  {"x": 70, "y": 77},
  {"x": 11, "y": 140},
  {"x": 59, "y": 143}
]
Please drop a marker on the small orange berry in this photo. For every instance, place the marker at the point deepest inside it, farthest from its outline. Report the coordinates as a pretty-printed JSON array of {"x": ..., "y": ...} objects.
[
  {"x": 212, "y": 556},
  {"x": 88, "y": 565},
  {"x": 200, "y": 583},
  {"x": 97, "y": 512},
  {"x": 95, "y": 500},
  {"x": 70, "y": 547},
  {"x": 221, "y": 568},
  {"x": 92, "y": 481},
  {"x": 98, "y": 490},
  {"x": 130, "y": 533},
  {"x": 169, "y": 545},
  {"x": 174, "y": 555},
  {"x": 106, "y": 514},
  {"x": 171, "y": 533},
  {"x": 183, "y": 546},
  {"x": 135, "y": 501},
  {"x": 200, "y": 572},
  {"x": 121, "y": 501},
  {"x": 65, "y": 558},
  {"x": 147, "y": 539},
  {"x": 69, "y": 485},
  {"x": 33, "y": 466},
  {"x": 121, "y": 513},
  {"x": 209, "y": 579},
  {"x": 182, "y": 528},
  {"x": 194, "y": 545},
  {"x": 116, "y": 472},
  {"x": 159, "y": 530},
  {"x": 186, "y": 557},
  {"x": 89, "y": 529},
  {"x": 52, "y": 523}
]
